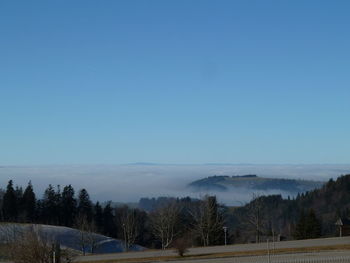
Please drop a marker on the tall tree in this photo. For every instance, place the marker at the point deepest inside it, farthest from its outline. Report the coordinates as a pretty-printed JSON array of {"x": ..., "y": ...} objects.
[
  {"x": 255, "y": 217},
  {"x": 208, "y": 221},
  {"x": 51, "y": 206},
  {"x": 29, "y": 203},
  {"x": 85, "y": 205},
  {"x": 300, "y": 228},
  {"x": 109, "y": 227},
  {"x": 2, "y": 192},
  {"x": 98, "y": 217},
  {"x": 10, "y": 203},
  {"x": 163, "y": 222},
  {"x": 128, "y": 221},
  {"x": 86, "y": 236},
  {"x": 308, "y": 226},
  {"x": 68, "y": 206},
  {"x": 21, "y": 217},
  {"x": 313, "y": 226}
]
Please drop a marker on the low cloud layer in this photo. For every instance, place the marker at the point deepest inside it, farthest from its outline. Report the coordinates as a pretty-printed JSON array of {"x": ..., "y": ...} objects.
[{"x": 128, "y": 183}]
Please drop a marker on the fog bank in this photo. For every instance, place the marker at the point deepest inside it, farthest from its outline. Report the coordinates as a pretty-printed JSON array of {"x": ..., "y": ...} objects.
[{"x": 128, "y": 183}]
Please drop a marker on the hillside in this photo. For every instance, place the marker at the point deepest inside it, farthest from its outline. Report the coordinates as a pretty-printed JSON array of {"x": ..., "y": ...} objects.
[
  {"x": 253, "y": 182},
  {"x": 329, "y": 202}
]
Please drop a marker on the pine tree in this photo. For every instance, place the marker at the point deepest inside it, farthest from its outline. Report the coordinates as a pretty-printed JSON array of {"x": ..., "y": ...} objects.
[
  {"x": 85, "y": 205},
  {"x": 51, "y": 206},
  {"x": 312, "y": 225},
  {"x": 21, "y": 217},
  {"x": 98, "y": 216},
  {"x": 28, "y": 203},
  {"x": 19, "y": 192},
  {"x": 68, "y": 206},
  {"x": 10, "y": 203},
  {"x": 2, "y": 192},
  {"x": 308, "y": 226},
  {"x": 108, "y": 221},
  {"x": 300, "y": 229}
]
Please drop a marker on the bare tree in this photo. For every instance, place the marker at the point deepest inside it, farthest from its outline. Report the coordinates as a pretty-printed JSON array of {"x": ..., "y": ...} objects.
[
  {"x": 86, "y": 235},
  {"x": 255, "y": 216},
  {"x": 9, "y": 235},
  {"x": 32, "y": 248},
  {"x": 208, "y": 222},
  {"x": 163, "y": 222},
  {"x": 30, "y": 245},
  {"x": 128, "y": 220}
]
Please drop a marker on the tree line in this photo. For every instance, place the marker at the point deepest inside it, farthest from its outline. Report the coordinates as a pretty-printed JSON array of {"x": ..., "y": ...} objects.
[{"x": 200, "y": 221}]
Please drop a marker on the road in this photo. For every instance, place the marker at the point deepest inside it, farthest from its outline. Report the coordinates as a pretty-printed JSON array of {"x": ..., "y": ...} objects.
[
  {"x": 324, "y": 257},
  {"x": 221, "y": 249}
]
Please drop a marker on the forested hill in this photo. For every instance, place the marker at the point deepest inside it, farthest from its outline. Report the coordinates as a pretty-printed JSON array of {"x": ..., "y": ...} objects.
[
  {"x": 253, "y": 182},
  {"x": 287, "y": 216}
]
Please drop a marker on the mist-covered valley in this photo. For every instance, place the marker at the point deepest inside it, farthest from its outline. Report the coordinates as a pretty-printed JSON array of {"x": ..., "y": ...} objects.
[{"x": 128, "y": 183}]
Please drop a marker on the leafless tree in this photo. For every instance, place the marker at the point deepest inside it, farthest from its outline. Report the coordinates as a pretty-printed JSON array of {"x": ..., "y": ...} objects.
[
  {"x": 255, "y": 216},
  {"x": 9, "y": 235},
  {"x": 29, "y": 244},
  {"x": 32, "y": 248},
  {"x": 128, "y": 220},
  {"x": 208, "y": 222},
  {"x": 86, "y": 235},
  {"x": 163, "y": 222}
]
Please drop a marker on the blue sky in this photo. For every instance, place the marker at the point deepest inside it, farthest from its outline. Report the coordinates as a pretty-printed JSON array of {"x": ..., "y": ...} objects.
[{"x": 114, "y": 82}]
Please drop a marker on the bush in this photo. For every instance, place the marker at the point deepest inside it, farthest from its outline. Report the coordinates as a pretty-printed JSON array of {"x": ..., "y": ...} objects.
[
  {"x": 31, "y": 245},
  {"x": 181, "y": 246}
]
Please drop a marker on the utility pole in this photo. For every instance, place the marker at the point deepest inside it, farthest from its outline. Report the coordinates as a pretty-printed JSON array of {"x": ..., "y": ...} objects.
[
  {"x": 225, "y": 231},
  {"x": 268, "y": 252}
]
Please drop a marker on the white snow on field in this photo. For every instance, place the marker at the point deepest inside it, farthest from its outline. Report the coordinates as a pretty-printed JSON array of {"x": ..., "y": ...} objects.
[{"x": 69, "y": 237}]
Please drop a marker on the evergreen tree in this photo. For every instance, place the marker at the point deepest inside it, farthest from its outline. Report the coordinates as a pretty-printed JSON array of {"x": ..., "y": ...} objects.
[
  {"x": 28, "y": 203},
  {"x": 308, "y": 226},
  {"x": 85, "y": 205},
  {"x": 98, "y": 216},
  {"x": 51, "y": 206},
  {"x": 300, "y": 228},
  {"x": 312, "y": 225},
  {"x": 109, "y": 227},
  {"x": 19, "y": 193},
  {"x": 68, "y": 206},
  {"x": 19, "y": 196},
  {"x": 40, "y": 214},
  {"x": 10, "y": 203},
  {"x": 2, "y": 192}
]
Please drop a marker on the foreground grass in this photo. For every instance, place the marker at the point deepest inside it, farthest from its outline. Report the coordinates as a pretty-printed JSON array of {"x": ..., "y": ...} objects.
[
  {"x": 3, "y": 252},
  {"x": 227, "y": 254}
]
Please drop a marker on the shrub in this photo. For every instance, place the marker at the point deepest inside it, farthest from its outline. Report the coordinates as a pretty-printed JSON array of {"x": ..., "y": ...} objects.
[{"x": 181, "y": 246}]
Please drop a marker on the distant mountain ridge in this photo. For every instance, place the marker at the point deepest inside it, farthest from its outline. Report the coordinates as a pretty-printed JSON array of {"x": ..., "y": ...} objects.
[{"x": 222, "y": 183}]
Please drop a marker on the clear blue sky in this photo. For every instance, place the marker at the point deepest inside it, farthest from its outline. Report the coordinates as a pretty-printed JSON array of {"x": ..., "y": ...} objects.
[{"x": 93, "y": 82}]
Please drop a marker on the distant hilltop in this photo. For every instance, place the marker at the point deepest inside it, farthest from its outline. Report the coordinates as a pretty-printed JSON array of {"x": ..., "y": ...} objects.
[{"x": 224, "y": 183}]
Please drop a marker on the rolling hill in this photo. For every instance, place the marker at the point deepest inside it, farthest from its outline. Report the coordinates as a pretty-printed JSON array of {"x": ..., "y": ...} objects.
[{"x": 253, "y": 182}]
